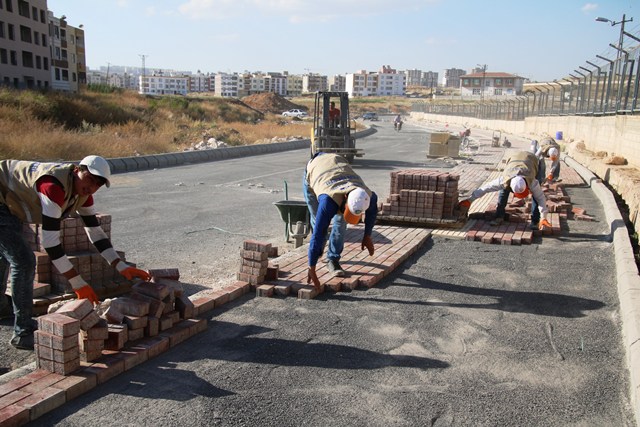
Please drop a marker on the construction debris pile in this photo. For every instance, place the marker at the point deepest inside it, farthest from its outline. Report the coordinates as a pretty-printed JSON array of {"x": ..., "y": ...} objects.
[
  {"x": 270, "y": 103},
  {"x": 418, "y": 194}
]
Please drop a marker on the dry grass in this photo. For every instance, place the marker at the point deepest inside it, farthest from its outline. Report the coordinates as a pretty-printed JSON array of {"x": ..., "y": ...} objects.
[{"x": 58, "y": 126}]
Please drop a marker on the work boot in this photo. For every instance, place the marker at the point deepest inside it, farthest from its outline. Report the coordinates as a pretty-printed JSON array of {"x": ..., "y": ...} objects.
[
  {"x": 334, "y": 268},
  {"x": 534, "y": 226},
  {"x": 497, "y": 221},
  {"x": 24, "y": 342}
]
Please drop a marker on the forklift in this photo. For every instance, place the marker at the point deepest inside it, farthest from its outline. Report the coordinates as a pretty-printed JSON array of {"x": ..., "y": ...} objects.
[{"x": 333, "y": 135}]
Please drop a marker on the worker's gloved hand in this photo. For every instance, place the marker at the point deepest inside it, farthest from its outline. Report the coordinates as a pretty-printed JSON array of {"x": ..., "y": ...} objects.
[
  {"x": 367, "y": 243},
  {"x": 130, "y": 272},
  {"x": 464, "y": 204},
  {"x": 550, "y": 177},
  {"x": 86, "y": 292},
  {"x": 312, "y": 278},
  {"x": 544, "y": 224}
]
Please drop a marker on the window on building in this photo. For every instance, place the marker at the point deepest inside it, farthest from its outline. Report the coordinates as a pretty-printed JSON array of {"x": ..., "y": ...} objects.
[
  {"x": 13, "y": 56},
  {"x": 34, "y": 13},
  {"x": 73, "y": 77},
  {"x": 498, "y": 82},
  {"x": 36, "y": 37},
  {"x": 0, "y": 4},
  {"x": 65, "y": 75},
  {"x": 63, "y": 34},
  {"x": 497, "y": 91},
  {"x": 56, "y": 73},
  {"x": 509, "y": 82},
  {"x": 42, "y": 18},
  {"x": 477, "y": 92},
  {"x": 10, "y": 32},
  {"x": 9, "y": 4},
  {"x": 25, "y": 34},
  {"x": 476, "y": 82},
  {"x": 64, "y": 54},
  {"x": 27, "y": 59},
  {"x": 4, "y": 58},
  {"x": 44, "y": 40},
  {"x": 23, "y": 8},
  {"x": 2, "y": 29},
  {"x": 57, "y": 53},
  {"x": 38, "y": 62},
  {"x": 45, "y": 63}
]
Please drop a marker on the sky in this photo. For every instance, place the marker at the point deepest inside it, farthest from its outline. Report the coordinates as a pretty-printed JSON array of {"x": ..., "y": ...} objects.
[{"x": 541, "y": 40}]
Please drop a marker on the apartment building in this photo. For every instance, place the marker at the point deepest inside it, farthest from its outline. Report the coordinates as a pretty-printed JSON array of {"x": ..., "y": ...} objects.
[
  {"x": 67, "y": 52},
  {"x": 491, "y": 84},
  {"x": 226, "y": 84},
  {"x": 314, "y": 83},
  {"x": 276, "y": 83},
  {"x": 391, "y": 82},
  {"x": 421, "y": 78},
  {"x": 24, "y": 44},
  {"x": 294, "y": 85},
  {"x": 159, "y": 84},
  {"x": 201, "y": 82},
  {"x": 361, "y": 83},
  {"x": 337, "y": 83},
  {"x": 452, "y": 77},
  {"x": 386, "y": 82}
]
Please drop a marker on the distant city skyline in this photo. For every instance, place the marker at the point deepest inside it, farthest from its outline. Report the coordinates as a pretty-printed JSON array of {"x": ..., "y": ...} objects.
[{"x": 540, "y": 40}]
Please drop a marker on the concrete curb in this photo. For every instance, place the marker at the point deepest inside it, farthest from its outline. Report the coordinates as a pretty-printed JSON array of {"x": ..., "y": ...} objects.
[
  {"x": 131, "y": 164},
  {"x": 628, "y": 280}
]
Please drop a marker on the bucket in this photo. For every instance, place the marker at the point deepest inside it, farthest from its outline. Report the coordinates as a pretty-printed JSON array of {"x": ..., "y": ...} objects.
[{"x": 559, "y": 135}]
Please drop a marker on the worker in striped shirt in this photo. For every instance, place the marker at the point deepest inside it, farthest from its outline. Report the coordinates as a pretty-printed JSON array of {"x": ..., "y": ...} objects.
[{"x": 46, "y": 193}]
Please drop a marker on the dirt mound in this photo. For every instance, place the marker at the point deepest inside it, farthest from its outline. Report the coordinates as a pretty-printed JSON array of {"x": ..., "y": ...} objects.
[{"x": 270, "y": 103}]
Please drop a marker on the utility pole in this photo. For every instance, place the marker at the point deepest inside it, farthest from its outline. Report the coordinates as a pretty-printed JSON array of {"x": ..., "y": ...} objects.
[
  {"x": 108, "y": 65},
  {"x": 484, "y": 76},
  {"x": 143, "y": 57}
]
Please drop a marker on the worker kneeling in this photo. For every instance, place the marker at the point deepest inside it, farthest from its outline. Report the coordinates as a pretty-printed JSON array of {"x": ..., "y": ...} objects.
[
  {"x": 333, "y": 191},
  {"x": 519, "y": 178}
]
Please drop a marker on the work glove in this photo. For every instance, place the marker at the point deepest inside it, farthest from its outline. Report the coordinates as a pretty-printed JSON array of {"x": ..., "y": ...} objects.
[
  {"x": 465, "y": 204},
  {"x": 550, "y": 177},
  {"x": 367, "y": 243},
  {"x": 131, "y": 272},
  {"x": 86, "y": 292},
  {"x": 544, "y": 223}
]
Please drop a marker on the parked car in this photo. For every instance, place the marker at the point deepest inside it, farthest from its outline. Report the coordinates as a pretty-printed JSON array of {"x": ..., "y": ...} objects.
[
  {"x": 295, "y": 113},
  {"x": 370, "y": 116}
]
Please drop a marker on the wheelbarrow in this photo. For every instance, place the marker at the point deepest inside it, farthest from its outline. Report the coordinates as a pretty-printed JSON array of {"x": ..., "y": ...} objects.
[{"x": 295, "y": 215}]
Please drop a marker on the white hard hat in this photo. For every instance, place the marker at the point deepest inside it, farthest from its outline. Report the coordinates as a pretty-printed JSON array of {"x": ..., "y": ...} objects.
[
  {"x": 553, "y": 153},
  {"x": 98, "y": 166},
  {"x": 357, "y": 202},
  {"x": 518, "y": 184}
]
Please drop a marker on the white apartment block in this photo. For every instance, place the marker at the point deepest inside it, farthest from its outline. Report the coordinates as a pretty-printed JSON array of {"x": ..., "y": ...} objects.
[
  {"x": 163, "y": 85},
  {"x": 387, "y": 82},
  {"x": 276, "y": 83},
  {"x": 24, "y": 44},
  {"x": 226, "y": 85}
]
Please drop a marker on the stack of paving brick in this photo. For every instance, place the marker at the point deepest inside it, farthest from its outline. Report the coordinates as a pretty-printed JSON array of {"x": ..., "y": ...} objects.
[
  {"x": 254, "y": 262},
  {"x": 84, "y": 257},
  {"x": 56, "y": 343},
  {"x": 418, "y": 194}
]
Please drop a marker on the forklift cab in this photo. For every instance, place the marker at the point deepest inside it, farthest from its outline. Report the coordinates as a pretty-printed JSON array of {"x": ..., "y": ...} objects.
[{"x": 331, "y": 131}]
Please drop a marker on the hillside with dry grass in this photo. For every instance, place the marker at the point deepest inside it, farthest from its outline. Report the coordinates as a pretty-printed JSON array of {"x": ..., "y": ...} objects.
[{"x": 115, "y": 123}]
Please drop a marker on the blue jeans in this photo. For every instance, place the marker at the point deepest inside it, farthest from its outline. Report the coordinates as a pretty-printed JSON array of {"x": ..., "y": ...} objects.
[
  {"x": 16, "y": 253},
  {"x": 503, "y": 198},
  {"x": 338, "y": 229}
]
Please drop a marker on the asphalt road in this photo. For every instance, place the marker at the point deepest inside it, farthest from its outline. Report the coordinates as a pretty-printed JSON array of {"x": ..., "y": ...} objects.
[{"x": 462, "y": 334}]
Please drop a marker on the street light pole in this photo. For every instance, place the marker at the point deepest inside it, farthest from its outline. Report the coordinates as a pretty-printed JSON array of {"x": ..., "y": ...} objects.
[{"x": 613, "y": 24}]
